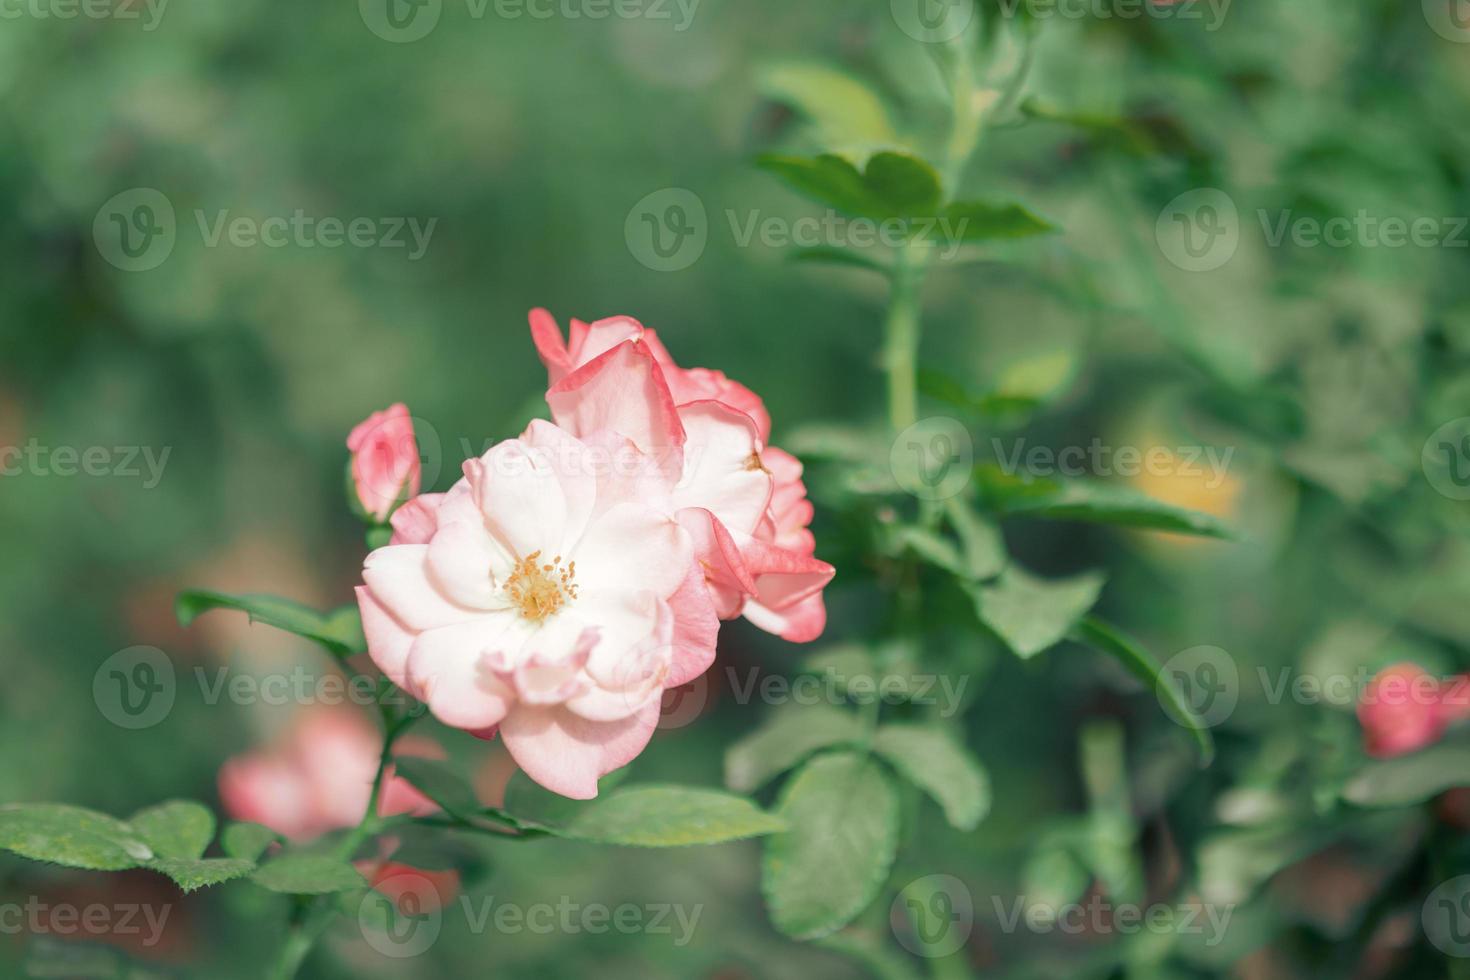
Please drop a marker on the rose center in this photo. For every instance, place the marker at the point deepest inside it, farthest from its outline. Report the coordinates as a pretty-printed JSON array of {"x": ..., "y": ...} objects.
[{"x": 538, "y": 589}]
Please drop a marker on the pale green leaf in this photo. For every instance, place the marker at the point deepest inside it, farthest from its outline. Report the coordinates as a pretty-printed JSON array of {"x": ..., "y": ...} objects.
[
  {"x": 933, "y": 761},
  {"x": 842, "y": 811}
]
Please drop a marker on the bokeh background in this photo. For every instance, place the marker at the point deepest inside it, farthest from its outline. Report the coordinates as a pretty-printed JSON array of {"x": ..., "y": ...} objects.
[{"x": 530, "y": 142}]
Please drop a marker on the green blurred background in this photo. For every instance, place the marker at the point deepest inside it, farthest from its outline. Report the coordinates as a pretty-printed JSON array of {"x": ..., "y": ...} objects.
[{"x": 529, "y": 141}]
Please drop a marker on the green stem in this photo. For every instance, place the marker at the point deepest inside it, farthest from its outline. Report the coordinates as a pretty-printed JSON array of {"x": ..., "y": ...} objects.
[
  {"x": 901, "y": 331},
  {"x": 307, "y": 928}
]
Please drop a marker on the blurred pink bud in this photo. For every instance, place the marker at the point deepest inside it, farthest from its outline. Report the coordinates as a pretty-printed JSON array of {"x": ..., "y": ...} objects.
[
  {"x": 1401, "y": 711},
  {"x": 385, "y": 461},
  {"x": 318, "y": 778}
]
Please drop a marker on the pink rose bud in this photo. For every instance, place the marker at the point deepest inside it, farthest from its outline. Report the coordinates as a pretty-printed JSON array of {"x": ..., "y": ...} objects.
[
  {"x": 385, "y": 461},
  {"x": 1401, "y": 711}
]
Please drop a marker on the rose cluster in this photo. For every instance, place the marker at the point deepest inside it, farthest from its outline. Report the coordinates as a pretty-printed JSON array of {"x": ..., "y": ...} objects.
[{"x": 576, "y": 572}]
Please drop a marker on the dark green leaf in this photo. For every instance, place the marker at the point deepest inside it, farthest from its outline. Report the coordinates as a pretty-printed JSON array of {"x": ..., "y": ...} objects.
[
  {"x": 894, "y": 185},
  {"x": 978, "y": 221},
  {"x": 842, "y": 811},
  {"x": 933, "y": 761},
  {"x": 71, "y": 836},
  {"x": 1032, "y": 614},
  {"x": 831, "y": 255},
  {"x": 306, "y": 873},
  {"x": 906, "y": 186},
  {"x": 178, "y": 829},
  {"x": 340, "y": 630},
  {"x": 247, "y": 841},
  {"x": 669, "y": 816},
  {"x": 1099, "y": 634},
  {"x": 441, "y": 784},
  {"x": 1103, "y": 503},
  {"x": 202, "y": 872}
]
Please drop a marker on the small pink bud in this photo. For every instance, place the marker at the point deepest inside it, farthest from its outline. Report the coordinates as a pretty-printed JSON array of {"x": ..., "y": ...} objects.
[
  {"x": 1401, "y": 711},
  {"x": 385, "y": 461}
]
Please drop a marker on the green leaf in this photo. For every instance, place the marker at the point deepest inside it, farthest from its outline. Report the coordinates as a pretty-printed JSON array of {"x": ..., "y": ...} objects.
[
  {"x": 247, "y": 841},
  {"x": 1096, "y": 633},
  {"x": 792, "y": 734},
  {"x": 531, "y": 803},
  {"x": 894, "y": 185},
  {"x": 984, "y": 547},
  {"x": 1036, "y": 378},
  {"x": 339, "y": 631},
  {"x": 930, "y": 546},
  {"x": 71, "y": 836},
  {"x": 1410, "y": 779},
  {"x": 1105, "y": 503},
  {"x": 1032, "y": 614},
  {"x": 831, "y": 255},
  {"x": 191, "y": 875},
  {"x": 178, "y": 829},
  {"x": 940, "y": 766},
  {"x": 842, "y": 811},
  {"x": 441, "y": 784},
  {"x": 307, "y": 873},
  {"x": 844, "y": 110},
  {"x": 906, "y": 185},
  {"x": 979, "y": 221},
  {"x": 669, "y": 816}
]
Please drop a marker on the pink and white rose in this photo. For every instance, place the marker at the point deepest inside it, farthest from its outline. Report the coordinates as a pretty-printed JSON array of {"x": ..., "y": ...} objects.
[
  {"x": 742, "y": 501},
  {"x": 548, "y": 597}
]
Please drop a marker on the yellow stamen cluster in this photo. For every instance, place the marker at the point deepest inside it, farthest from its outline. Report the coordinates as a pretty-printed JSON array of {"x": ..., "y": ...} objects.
[{"x": 540, "y": 589}]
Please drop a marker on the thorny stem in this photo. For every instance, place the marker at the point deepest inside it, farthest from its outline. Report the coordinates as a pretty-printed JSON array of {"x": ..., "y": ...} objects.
[{"x": 312, "y": 919}]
